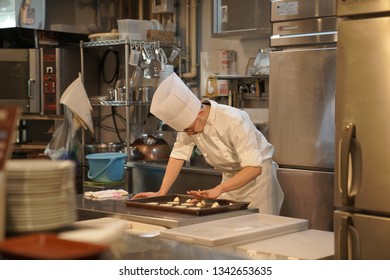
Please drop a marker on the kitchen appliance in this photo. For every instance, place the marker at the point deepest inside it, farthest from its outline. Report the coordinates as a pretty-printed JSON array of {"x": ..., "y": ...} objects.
[
  {"x": 301, "y": 106},
  {"x": 34, "y": 79},
  {"x": 362, "y": 216}
]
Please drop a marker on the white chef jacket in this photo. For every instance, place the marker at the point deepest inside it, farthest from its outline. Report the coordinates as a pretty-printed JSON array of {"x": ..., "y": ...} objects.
[{"x": 229, "y": 142}]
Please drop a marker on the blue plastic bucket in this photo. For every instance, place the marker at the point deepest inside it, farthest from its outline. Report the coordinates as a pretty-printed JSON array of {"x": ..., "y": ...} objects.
[{"x": 106, "y": 167}]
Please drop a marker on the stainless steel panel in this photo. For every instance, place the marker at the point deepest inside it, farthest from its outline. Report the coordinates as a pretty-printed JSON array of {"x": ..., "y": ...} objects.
[
  {"x": 308, "y": 195},
  {"x": 301, "y": 112},
  {"x": 282, "y": 10},
  {"x": 362, "y": 165},
  {"x": 305, "y": 26},
  {"x": 359, "y": 7},
  {"x": 361, "y": 237},
  {"x": 304, "y": 32}
]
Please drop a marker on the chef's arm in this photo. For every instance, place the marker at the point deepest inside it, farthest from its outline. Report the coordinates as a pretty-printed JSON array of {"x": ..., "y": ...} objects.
[
  {"x": 172, "y": 171},
  {"x": 240, "y": 179}
]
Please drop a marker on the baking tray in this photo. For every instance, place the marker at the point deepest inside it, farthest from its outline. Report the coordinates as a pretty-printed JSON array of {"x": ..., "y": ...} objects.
[{"x": 225, "y": 205}]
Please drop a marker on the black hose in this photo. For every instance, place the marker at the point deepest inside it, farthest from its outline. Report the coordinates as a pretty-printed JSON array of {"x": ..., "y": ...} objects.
[
  {"x": 102, "y": 66},
  {"x": 114, "y": 113},
  {"x": 114, "y": 79}
]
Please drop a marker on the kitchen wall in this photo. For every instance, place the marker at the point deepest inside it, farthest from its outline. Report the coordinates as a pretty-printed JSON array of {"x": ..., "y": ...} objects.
[{"x": 245, "y": 49}]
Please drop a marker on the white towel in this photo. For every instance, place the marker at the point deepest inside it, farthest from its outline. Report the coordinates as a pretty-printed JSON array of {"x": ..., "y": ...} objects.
[
  {"x": 107, "y": 194},
  {"x": 76, "y": 99}
]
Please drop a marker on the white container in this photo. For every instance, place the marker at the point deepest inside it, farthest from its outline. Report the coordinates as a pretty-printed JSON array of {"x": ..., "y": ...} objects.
[
  {"x": 234, "y": 230},
  {"x": 134, "y": 29}
]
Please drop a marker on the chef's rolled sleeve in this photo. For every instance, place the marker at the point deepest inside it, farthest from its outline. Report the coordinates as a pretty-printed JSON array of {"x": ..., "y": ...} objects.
[
  {"x": 182, "y": 151},
  {"x": 251, "y": 158}
]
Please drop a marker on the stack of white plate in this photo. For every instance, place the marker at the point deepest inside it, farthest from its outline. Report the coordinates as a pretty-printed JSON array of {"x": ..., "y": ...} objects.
[{"x": 40, "y": 195}]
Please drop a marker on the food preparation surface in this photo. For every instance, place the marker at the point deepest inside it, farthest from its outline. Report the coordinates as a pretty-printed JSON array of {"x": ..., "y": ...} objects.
[
  {"x": 186, "y": 204},
  {"x": 230, "y": 231},
  {"x": 303, "y": 245},
  {"x": 88, "y": 209}
]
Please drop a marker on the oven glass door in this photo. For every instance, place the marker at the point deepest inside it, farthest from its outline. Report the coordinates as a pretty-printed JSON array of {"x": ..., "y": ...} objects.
[{"x": 19, "y": 78}]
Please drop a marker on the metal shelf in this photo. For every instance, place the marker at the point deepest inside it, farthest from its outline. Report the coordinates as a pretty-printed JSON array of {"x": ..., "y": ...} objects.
[
  {"x": 116, "y": 103},
  {"x": 109, "y": 103},
  {"x": 238, "y": 77},
  {"x": 36, "y": 117},
  {"x": 132, "y": 43}
]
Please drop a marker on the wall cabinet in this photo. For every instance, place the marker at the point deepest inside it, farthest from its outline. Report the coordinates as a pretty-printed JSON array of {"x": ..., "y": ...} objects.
[{"x": 232, "y": 18}]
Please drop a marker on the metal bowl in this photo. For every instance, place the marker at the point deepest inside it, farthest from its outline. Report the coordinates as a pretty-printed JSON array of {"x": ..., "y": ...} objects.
[{"x": 104, "y": 147}]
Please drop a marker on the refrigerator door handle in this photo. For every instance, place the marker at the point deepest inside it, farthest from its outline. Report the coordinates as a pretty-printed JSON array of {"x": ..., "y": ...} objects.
[
  {"x": 349, "y": 240},
  {"x": 343, "y": 238},
  {"x": 344, "y": 175}
]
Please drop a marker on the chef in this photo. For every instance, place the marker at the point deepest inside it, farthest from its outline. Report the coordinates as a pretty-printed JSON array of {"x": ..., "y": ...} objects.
[{"x": 229, "y": 142}]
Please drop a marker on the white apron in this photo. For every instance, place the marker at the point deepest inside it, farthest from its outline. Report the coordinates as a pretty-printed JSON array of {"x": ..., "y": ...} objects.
[{"x": 264, "y": 192}]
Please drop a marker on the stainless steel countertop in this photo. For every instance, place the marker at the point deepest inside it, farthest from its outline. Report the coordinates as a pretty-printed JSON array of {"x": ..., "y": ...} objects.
[
  {"x": 90, "y": 209},
  {"x": 156, "y": 248}
]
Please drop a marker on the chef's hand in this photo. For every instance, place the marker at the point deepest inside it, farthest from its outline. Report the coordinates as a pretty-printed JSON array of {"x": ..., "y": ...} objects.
[
  {"x": 145, "y": 194},
  {"x": 211, "y": 193}
]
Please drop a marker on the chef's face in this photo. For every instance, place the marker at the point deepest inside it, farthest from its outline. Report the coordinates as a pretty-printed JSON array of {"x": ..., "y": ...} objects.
[
  {"x": 198, "y": 125},
  {"x": 191, "y": 130}
]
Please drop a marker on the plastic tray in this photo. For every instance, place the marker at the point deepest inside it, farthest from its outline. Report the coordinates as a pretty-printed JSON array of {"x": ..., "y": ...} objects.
[
  {"x": 304, "y": 245},
  {"x": 237, "y": 229}
]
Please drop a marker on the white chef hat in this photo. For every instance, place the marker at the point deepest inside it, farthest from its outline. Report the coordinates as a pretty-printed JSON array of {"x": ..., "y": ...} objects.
[{"x": 174, "y": 103}]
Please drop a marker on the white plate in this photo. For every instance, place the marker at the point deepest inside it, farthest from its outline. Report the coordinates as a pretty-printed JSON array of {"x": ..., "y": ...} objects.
[
  {"x": 36, "y": 226},
  {"x": 43, "y": 218},
  {"x": 38, "y": 211},
  {"x": 37, "y": 175},
  {"x": 35, "y": 190},
  {"x": 38, "y": 165},
  {"x": 53, "y": 197}
]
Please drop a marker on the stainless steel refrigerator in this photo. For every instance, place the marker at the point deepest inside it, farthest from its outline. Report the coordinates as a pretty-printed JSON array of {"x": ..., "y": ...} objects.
[
  {"x": 362, "y": 169},
  {"x": 301, "y": 106}
]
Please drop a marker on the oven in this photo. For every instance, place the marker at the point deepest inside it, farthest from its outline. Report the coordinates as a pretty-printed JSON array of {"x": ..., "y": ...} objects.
[{"x": 34, "y": 79}]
